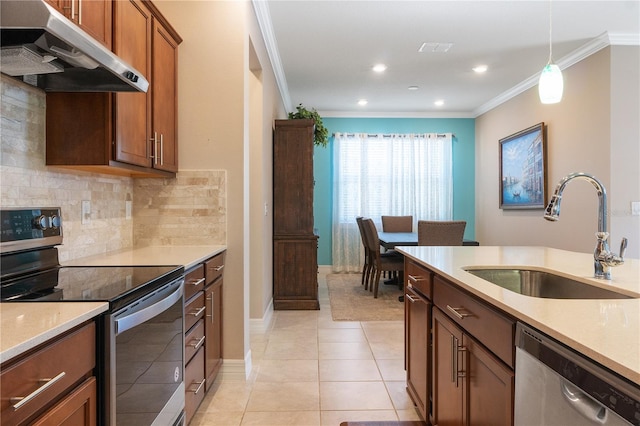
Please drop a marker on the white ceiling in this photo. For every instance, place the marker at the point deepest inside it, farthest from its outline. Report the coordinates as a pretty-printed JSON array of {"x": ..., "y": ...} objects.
[{"x": 323, "y": 50}]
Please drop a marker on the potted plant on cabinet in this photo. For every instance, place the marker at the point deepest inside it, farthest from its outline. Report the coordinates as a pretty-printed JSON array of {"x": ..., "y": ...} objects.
[{"x": 320, "y": 134}]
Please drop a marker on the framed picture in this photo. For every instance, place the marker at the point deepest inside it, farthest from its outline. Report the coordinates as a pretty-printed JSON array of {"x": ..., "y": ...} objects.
[{"x": 523, "y": 169}]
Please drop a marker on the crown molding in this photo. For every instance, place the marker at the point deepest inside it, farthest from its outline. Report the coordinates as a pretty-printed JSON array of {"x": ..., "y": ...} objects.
[
  {"x": 263, "y": 16},
  {"x": 598, "y": 43}
]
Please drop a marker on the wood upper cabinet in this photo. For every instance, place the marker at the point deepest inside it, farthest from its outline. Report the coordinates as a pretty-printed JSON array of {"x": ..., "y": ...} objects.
[
  {"x": 92, "y": 16},
  {"x": 164, "y": 89},
  {"x": 130, "y": 134},
  {"x": 132, "y": 43}
]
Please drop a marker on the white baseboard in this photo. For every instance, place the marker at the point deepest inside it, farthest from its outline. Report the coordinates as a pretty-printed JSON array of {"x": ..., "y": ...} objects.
[
  {"x": 236, "y": 369},
  {"x": 324, "y": 269}
]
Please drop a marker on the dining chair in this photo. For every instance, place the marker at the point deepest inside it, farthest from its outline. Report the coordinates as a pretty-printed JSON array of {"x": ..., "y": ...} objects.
[
  {"x": 380, "y": 262},
  {"x": 441, "y": 232},
  {"x": 366, "y": 268},
  {"x": 397, "y": 223}
]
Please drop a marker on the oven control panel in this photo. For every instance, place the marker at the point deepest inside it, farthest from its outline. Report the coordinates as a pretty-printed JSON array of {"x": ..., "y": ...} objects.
[{"x": 24, "y": 228}]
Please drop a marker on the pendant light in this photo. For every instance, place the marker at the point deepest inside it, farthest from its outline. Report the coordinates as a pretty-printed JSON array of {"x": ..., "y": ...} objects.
[{"x": 551, "y": 85}]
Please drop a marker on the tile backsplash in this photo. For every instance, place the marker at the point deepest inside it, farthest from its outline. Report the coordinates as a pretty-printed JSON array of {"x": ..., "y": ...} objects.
[{"x": 189, "y": 209}]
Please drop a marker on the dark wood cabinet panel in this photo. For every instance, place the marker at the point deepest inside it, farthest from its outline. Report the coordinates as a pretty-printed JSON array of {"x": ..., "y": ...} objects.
[
  {"x": 213, "y": 330},
  {"x": 129, "y": 134},
  {"x": 295, "y": 283},
  {"x": 194, "y": 382},
  {"x": 295, "y": 247},
  {"x": 132, "y": 42},
  {"x": 48, "y": 375},
  {"x": 76, "y": 409},
  {"x": 447, "y": 361},
  {"x": 418, "y": 345},
  {"x": 165, "y": 99}
]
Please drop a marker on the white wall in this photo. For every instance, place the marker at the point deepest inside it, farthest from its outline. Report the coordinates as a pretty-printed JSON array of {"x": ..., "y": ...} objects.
[{"x": 584, "y": 134}]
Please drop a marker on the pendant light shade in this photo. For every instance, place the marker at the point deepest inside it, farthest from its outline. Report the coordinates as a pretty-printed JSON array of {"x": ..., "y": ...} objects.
[{"x": 551, "y": 84}]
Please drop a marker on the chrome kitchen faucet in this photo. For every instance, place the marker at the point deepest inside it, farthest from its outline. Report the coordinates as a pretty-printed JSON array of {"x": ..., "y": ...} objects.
[{"x": 603, "y": 259}]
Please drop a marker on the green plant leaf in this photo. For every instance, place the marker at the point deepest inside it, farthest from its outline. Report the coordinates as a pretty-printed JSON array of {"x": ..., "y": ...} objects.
[{"x": 321, "y": 134}]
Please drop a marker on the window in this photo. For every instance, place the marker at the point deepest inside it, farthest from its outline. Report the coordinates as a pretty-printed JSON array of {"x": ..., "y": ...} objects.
[{"x": 377, "y": 175}]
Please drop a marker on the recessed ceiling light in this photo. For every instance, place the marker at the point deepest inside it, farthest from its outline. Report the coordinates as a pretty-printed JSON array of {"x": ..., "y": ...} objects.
[
  {"x": 413, "y": 87},
  {"x": 362, "y": 102},
  {"x": 439, "y": 102},
  {"x": 480, "y": 69},
  {"x": 379, "y": 68}
]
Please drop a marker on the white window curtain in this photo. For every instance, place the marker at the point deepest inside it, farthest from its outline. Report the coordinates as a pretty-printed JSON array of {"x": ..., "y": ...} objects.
[{"x": 376, "y": 175}]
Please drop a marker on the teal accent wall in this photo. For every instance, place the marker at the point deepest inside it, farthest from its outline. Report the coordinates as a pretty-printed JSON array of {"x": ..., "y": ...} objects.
[{"x": 463, "y": 167}]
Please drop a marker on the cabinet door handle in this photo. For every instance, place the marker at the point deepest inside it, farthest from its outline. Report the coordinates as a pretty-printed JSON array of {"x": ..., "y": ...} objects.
[
  {"x": 22, "y": 400},
  {"x": 196, "y": 282},
  {"x": 460, "y": 373},
  {"x": 197, "y": 344},
  {"x": 73, "y": 9},
  {"x": 459, "y": 315},
  {"x": 454, "y": 359},
  {"x": 161, "y": 149},
  {"x": 210, "y": 298},
  {"x": 200, "y": 385},
  {"x": 198, "y": 312},
  {"x": 79, "y": 12},
  {"x": 154, "y": 153}
]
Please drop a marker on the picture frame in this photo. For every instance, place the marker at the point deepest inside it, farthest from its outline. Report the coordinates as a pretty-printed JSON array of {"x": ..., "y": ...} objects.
[{"x": 523, "y": 169}]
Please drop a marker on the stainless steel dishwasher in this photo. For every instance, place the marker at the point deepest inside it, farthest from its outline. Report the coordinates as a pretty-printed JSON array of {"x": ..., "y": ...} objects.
[{"x": 557, "y": 386}]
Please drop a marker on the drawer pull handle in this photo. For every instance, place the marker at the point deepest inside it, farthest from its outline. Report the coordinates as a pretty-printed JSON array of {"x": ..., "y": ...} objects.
[
  {"x": 455, "y": 312},
  {"x": 200, "y": 385},
  {"x": 22, "y": 400},
  {"x": 196, "y": 282},
  {"x": 217, "y": 268},
  {"x": 197, "y": 344},
  {"x": 415, "y": 278},
  {"x": 411, "y": 298},
  {"x": 198, "y": 312}
]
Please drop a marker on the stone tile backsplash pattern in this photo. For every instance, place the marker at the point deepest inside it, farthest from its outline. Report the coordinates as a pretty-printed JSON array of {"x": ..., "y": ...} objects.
[
  {"x": 25, "y": 181},
  {"x": 188, "y": 210}
]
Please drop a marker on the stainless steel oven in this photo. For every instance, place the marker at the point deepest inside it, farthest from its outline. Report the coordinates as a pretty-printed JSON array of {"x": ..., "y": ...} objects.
[{"x": 140, "y": 345}]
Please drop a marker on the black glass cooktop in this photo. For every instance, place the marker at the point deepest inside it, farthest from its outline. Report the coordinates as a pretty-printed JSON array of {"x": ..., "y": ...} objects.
[{"x": 115, "y": 284}]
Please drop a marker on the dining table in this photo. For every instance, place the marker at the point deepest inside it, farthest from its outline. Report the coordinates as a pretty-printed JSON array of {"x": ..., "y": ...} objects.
[{"x": 389, "y": 240}]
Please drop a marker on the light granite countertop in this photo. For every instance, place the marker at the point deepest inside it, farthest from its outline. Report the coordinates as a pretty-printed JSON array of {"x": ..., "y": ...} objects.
[
  {"x": 152, "y": 256},
  {"x": 25, "y": 325},
  {"x": 607, "y": 331}
]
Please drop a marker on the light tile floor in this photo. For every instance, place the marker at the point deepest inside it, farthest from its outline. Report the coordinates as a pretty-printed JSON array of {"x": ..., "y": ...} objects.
[{"x": 310, "y": 370}]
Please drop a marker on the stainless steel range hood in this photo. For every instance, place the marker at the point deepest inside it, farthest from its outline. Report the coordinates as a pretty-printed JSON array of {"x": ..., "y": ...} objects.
[{"x": 51, "y": 52}]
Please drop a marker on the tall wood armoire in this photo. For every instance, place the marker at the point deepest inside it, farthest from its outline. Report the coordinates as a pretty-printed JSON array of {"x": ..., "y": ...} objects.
[{"x": 295, "y": 246}]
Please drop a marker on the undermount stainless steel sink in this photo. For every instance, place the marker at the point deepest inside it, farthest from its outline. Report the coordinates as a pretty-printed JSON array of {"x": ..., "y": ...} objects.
[{"x": 543, "y": 284}]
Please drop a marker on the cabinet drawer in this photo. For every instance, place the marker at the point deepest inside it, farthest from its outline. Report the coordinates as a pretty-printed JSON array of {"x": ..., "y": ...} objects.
[
  {"x": 193, "y": 340},
  {"x": 214, "y": 268},
  {"x": 194, "y": 384},
  {"x": 63, "y": 363},
  {"x": 419, "y": 277},
  {"x": 495, "y": 330},
  {"x": 194, "y": 281},
  {"x": 194, "y": 310}
]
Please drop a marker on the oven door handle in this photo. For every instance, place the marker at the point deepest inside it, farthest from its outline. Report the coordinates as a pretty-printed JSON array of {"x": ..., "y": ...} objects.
[{"x": 136, "y": 318}]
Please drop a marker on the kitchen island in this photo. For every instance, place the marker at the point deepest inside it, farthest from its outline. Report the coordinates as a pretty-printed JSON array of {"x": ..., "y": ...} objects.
[{"x": 607, "y": 331}]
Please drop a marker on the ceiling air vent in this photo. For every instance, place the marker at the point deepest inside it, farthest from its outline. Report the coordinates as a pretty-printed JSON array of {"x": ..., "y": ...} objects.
[{"x": 433, "y": 47}]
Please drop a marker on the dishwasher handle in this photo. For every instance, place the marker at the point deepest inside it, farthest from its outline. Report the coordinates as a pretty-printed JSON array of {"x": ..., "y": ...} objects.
[{"x": 584, "y": 405}]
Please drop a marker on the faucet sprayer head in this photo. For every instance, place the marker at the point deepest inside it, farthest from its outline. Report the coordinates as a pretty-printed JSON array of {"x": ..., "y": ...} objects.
[{"x": 552, "y": 212}]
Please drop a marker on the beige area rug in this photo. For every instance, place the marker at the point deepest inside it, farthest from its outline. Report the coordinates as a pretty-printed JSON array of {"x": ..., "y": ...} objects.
[{"x": 351, "y": 302}]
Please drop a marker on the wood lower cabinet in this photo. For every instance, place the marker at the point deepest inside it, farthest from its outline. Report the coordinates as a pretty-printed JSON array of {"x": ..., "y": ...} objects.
[
  {"x": 473, "y": 350},
  {"x": 295, "y": 246},
  {"x": 203, "y": 329},
  {"x": 130, "y": 134},
  {"x": 50, "y": 387},
  {"x": 418, "y": 344},
  {"x": 459, "y": 353}
]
